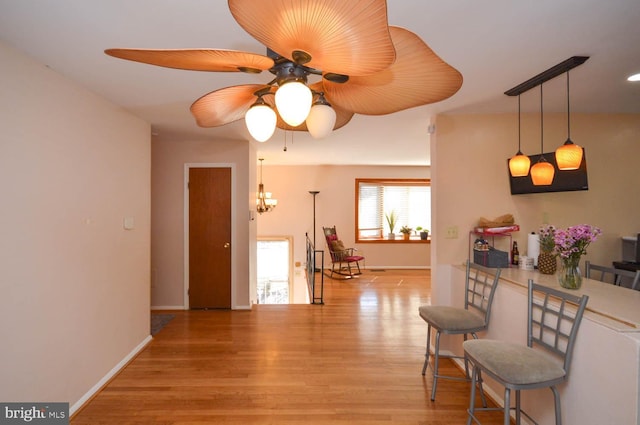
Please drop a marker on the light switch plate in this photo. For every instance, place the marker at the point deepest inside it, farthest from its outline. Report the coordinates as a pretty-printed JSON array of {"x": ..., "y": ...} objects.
[{"x": 128, "y": 223}]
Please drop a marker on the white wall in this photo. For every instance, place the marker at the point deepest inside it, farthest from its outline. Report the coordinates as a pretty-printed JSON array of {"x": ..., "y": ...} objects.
[{"x": 74, "y": 284}]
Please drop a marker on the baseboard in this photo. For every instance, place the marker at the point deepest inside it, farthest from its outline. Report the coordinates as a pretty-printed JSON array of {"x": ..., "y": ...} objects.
[
  {"x": 396, "y": 267},
  {"x": 105, "y": 379},
  {"x": 180, "y": 307}
]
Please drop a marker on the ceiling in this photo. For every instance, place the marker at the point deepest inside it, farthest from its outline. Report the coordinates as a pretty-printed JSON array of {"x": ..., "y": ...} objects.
[{"x": 495, "y": 44}]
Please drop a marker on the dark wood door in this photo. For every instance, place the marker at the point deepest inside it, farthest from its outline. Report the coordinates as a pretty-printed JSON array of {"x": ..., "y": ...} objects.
[{"x": 209, "y": 238}]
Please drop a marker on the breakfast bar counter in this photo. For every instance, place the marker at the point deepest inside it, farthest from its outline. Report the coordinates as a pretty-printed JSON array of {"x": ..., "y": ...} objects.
[
  {"x": 604, "y": 380},
  {"x": 612, "y": 306}
]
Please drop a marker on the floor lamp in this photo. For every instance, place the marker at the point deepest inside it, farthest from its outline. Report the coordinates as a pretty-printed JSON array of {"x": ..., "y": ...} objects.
[{"x": 314, "y": 193}]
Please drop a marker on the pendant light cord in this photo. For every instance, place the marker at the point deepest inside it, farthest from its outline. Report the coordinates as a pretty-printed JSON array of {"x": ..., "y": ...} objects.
[
  {"x": 519, "y": 150},
  {"x": 568, "y": 110},
  {"x": 541, "y": 125}
]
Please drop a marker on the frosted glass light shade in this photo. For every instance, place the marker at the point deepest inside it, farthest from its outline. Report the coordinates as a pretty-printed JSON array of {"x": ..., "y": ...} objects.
[
  {"x": 519, "y": 165},
  {"x": 261, "y": 122},
  {"x": 569, "y": 156},
  {"x": 542, "y": 173},
  {"x": 321, "y": 120},
  {"x": 293, "y": 100}
]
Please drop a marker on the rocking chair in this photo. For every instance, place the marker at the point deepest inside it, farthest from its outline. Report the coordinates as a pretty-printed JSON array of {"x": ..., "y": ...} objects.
[{"x": 342, "y": 259}]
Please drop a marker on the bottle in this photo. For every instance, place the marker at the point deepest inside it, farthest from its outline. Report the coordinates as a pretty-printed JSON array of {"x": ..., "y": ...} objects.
[{"x": 515, "y": 255}]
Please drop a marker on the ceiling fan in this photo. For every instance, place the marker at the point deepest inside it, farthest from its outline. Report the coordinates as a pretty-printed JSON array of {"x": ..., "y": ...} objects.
[{"x": 362, "y": 64}]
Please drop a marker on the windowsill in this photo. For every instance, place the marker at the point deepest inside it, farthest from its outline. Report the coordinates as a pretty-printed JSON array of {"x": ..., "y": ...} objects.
[{"x": 400, "y": 240}]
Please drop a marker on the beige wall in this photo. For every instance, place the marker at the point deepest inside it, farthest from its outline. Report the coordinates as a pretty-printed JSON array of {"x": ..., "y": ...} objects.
[
  {"x": 74, "y": 283},
  {"x": 168, "y": 194},
  {"x": 470, "y": 179}
]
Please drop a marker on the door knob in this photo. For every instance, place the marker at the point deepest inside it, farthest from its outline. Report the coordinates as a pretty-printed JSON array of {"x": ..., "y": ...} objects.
[{"x": 227, "y": 244}]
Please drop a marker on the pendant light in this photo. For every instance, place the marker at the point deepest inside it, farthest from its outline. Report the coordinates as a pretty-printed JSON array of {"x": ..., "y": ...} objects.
[
  {"x": 569, "y": 155},
  {"x": 519, "y": 164},
  {"x": 264, "y": 202},
  {"x": 542, "y": 172}
]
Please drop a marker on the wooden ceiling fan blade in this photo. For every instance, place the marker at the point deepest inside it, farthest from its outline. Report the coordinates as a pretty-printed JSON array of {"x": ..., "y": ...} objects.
[
  {"x": 345, "y": 37},
  {"x": 197, "y": 59},
  {"x": 418, "y": 77},
  {"x": 226, "y": 105}
]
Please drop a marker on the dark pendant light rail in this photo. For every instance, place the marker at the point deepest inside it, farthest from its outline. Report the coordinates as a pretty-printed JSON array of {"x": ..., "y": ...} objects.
[{"x": 547, "y": 75}]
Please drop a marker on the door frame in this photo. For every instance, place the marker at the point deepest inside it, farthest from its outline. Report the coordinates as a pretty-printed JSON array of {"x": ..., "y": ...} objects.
[{"x": 187, "y": 167}]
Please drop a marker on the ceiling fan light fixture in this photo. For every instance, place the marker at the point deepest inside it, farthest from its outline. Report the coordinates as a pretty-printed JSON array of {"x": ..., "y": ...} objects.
[
  {"x": 260, "y": 120},
  {"x": 293, "y": 100},
  {"x": 321, "y": 119}
]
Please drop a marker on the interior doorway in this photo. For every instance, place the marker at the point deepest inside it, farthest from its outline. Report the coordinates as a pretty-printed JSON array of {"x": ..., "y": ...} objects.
[
  {"x": 209, "y": 200},
  {"x": 274, "y": 270}
]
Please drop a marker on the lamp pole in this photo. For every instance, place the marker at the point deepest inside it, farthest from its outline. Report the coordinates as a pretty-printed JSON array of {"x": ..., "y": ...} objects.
[{"x": 314, "y": 193}]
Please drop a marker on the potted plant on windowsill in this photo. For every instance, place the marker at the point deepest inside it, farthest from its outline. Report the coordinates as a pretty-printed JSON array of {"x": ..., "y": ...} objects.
[
  {"x": 406, "y": 231},
  {"x": 424, "y": 233},
  {"x": 392, "y": 219}
]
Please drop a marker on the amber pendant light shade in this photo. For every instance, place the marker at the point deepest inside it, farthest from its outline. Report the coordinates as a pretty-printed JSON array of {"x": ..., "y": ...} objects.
[
  {"x": 519, "y": 163},
  {"x": 569, "y": 155},
  {"x": 542, "y": 172}
]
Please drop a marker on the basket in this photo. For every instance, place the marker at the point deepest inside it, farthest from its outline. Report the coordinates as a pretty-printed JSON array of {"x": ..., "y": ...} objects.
[{"x": 491, "y": 258}]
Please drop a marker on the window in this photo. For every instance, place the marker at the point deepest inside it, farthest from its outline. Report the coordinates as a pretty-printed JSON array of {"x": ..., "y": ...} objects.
[{"x": 409, "y": 199}]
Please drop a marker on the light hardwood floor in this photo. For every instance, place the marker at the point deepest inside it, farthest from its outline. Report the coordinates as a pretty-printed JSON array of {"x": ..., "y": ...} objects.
[{"x": 354, "y": 360}]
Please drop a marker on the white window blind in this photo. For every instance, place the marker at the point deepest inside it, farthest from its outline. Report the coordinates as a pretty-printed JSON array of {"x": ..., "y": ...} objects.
[{"x": 409, "y": 199}]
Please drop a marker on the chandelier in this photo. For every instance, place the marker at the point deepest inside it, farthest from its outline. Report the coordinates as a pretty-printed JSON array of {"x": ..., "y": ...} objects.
[{"x": 264, "y": 202}]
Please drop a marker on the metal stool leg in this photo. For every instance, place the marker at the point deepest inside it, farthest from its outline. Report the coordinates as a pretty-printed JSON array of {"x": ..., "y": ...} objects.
[
  {"x": 426, "y": 355},
  {"x": 436, "y": 358},
  {"x": 556, "y": 399},
  {"x": 472, "y": 403},
  {"x": 507, "y": 405}
]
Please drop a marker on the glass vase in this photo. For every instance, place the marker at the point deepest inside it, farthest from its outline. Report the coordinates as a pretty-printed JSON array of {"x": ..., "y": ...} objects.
[{"x": 569, "y": 275}]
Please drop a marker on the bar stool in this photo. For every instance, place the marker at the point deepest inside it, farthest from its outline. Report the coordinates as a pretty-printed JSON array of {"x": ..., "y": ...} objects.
[
  {"x": 553, "y": 320},
  {"x": 611, "y": 275},
  {"x": 480, "y": 287}
]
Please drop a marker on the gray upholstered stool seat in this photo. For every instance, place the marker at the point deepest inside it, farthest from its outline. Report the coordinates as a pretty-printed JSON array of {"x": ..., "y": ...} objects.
[
  {"x": 451, "y": 318},
  {"x": 514, "y": 363}
]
